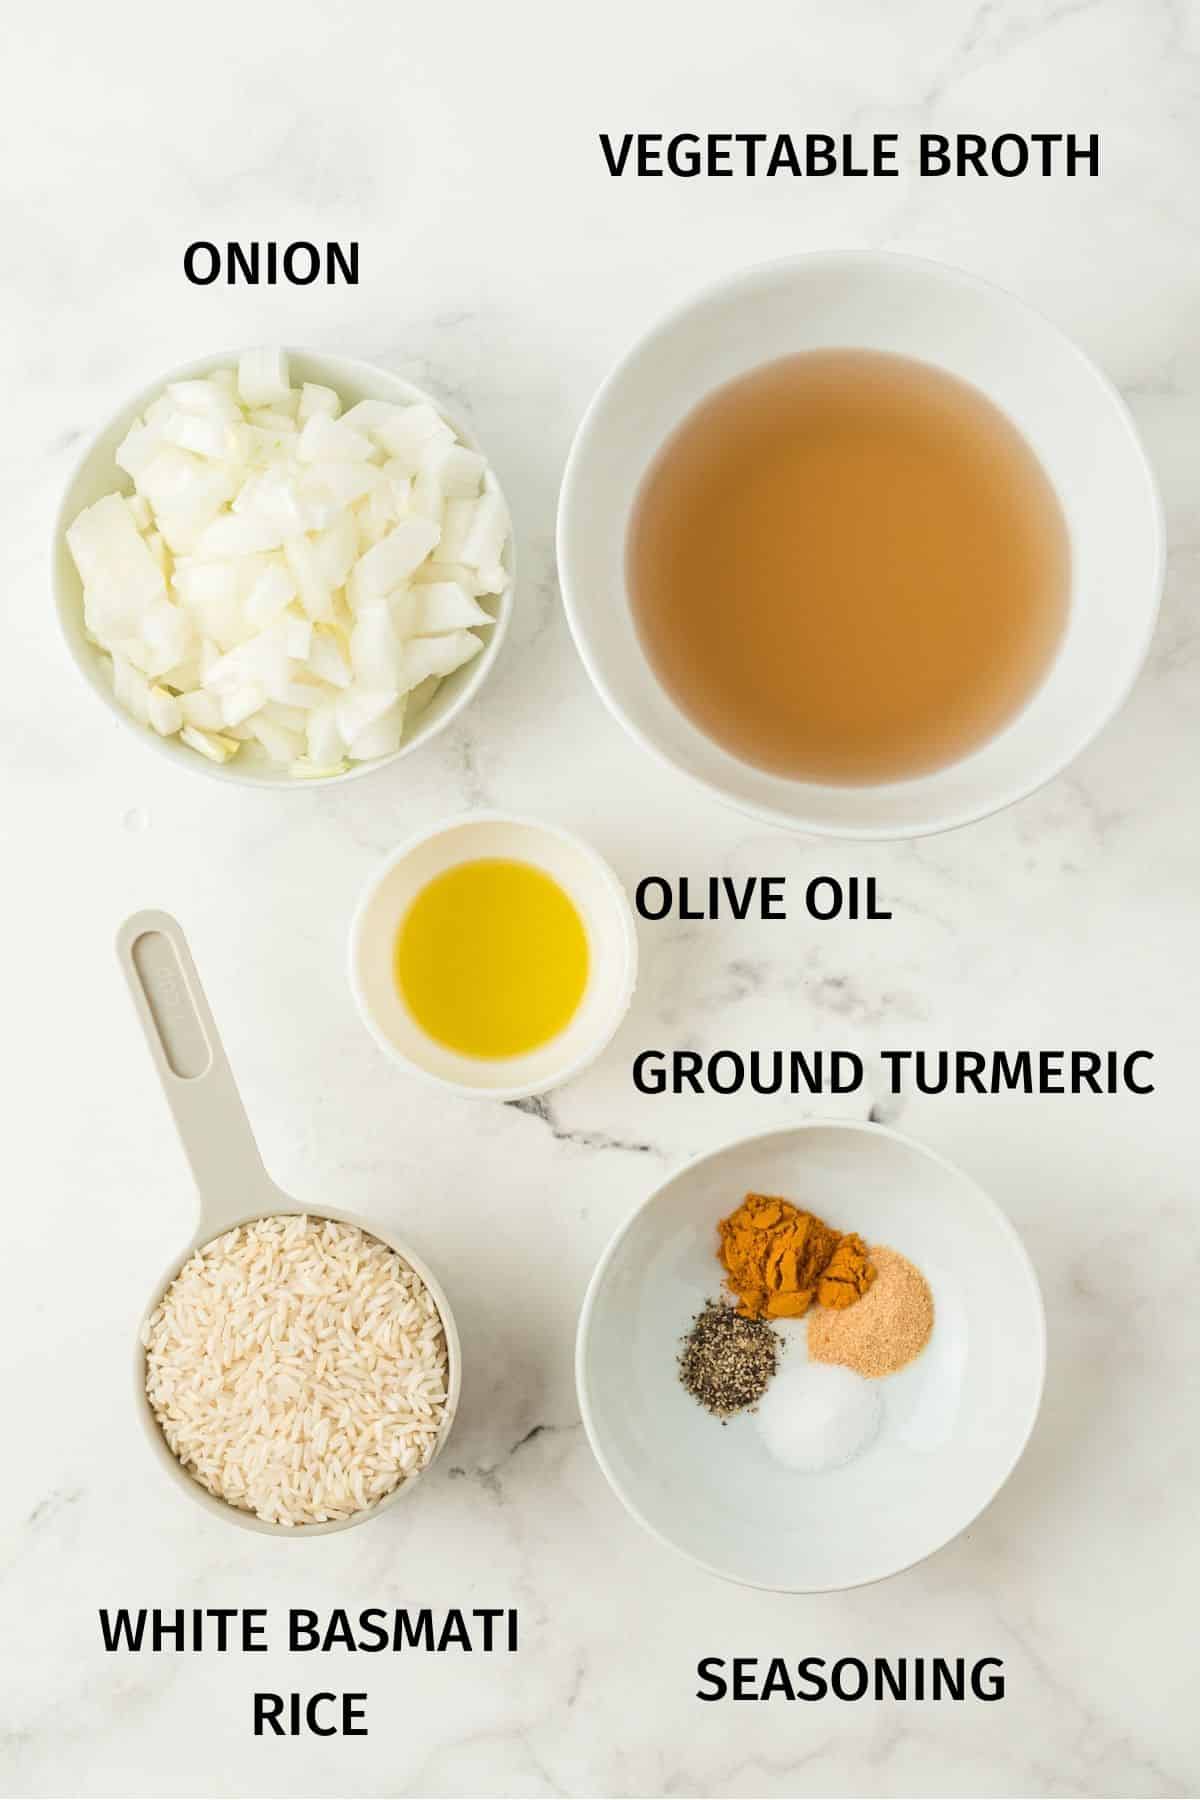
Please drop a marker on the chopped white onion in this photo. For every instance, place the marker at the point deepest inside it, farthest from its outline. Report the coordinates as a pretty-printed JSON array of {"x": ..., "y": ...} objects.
[
  {"x": 316, "y": 595},
  {"x": 317, "y": 399},
  {"x": 208, "y": 395},
  {"x": 332, "y": 440},
  {"x": 326, "y": 744},
  {"x": 212, "y": 744},
  {"x": 440, "y": 606},
  {"x": 378, "y": 513},
  {"x": 203, "y": 710},
  {"x": 382, "y": 736},
  {"x": 422, "y": 657},
  {"x": 360, "y": 708},
  {"x": 240, "y": 704},
  {"x": 280, "y": 744},
  {"x": 328, "y": 661},
  {"x": 166, "y": 713},
  {"x": 345, "y": 482},
  {"x": 262, "y": 377},
  {"x": 407, "y": 430},
  {"x": 140, "y": 445},
  {"x": 167, "y": 633},
  {"x": 274, "y": 589},
  {"x": 392, "y": 560},
  {"x": 131, "y": 688},
  {"x": 271, "y": 580},
  {"x": 336, "y": 550},
  {"x": 375, "y": 648},
  {"x": 198, "y": 432}
]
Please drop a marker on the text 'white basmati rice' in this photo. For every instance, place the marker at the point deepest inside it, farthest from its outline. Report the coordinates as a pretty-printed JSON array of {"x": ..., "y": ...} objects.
[{"x": 297, "y": 1367}]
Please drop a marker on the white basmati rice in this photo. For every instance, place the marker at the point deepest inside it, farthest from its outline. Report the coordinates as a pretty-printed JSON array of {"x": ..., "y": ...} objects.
[{"x": 298, "y": 1369}]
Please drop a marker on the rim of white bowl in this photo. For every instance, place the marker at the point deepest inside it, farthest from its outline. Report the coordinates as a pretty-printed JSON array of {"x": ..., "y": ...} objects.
[
  {"x": 589, "y": 1302},
  {"x": 790, "y": 821},
  {"x": 212, "y": 1503},
  {"x": 622, "y": 909},
  {"x": 64, "y": 604}
]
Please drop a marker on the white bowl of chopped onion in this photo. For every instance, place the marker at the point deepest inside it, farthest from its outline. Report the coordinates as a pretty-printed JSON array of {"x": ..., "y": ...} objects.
[{"x": 283, "y": 568}]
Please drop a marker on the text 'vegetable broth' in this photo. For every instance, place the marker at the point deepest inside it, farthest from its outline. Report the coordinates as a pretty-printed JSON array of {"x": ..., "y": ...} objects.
[{"x": 848, "y": 567}]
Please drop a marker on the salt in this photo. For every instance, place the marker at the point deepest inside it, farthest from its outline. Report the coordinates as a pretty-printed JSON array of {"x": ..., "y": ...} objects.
[{"x": 817, "y": 1416}]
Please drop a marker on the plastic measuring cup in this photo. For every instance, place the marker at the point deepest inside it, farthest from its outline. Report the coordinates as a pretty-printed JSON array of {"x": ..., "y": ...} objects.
[{"x": 233, "y": 1186}]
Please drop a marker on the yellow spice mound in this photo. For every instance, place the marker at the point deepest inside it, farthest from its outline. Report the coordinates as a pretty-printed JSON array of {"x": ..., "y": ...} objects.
[{"x": 779, "y": 1260}]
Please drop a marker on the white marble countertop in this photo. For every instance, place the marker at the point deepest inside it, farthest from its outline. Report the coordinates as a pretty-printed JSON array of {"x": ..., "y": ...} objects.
[{"x": 502, "y": 266}]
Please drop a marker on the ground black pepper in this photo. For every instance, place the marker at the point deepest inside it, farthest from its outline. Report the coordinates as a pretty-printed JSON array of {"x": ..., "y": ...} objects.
[{"x": 727, "y": 1361}]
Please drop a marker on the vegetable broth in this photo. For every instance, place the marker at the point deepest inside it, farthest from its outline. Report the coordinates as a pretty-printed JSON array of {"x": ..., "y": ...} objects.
[{"x": 848, "y": 567}]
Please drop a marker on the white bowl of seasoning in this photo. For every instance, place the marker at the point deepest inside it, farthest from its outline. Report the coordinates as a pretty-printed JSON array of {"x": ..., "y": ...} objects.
[
  {"x": 1057, "y": 404},
  {"x": 953, "y": 1422},
  {"x": 494, "y": 955}
]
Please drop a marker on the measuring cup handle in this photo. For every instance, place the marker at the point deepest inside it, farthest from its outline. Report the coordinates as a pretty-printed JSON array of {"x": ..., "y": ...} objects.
[{"x": 193, "y": 1069}]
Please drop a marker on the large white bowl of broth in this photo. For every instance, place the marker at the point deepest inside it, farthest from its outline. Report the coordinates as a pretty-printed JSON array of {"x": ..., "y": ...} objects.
[
  {"x": 862, "y": 544},
  {"x": 951, "y": 1423}
]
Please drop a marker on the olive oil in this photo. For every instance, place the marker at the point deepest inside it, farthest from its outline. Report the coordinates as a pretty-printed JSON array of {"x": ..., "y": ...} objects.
[
  {"x": 491, "y": 958},
  {"x": 848, "y": 567}
]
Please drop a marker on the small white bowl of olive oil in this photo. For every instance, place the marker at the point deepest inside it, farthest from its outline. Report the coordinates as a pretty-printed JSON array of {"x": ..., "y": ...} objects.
[{"x": 494, "y": 955}]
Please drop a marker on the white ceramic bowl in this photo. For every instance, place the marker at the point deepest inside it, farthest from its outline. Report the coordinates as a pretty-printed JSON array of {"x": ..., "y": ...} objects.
[
  {"x": 954, "y": 1422},
  {"x": 1068, "y": 412},
  {"x": 96, "y": 474},
  {"x": 612, "y": 945}
]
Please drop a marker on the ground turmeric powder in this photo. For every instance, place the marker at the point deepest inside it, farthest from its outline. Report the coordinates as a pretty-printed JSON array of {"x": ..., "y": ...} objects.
[
  {"x": 848, "y": 1274},
  {"x": 779, "y": 1260}
]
